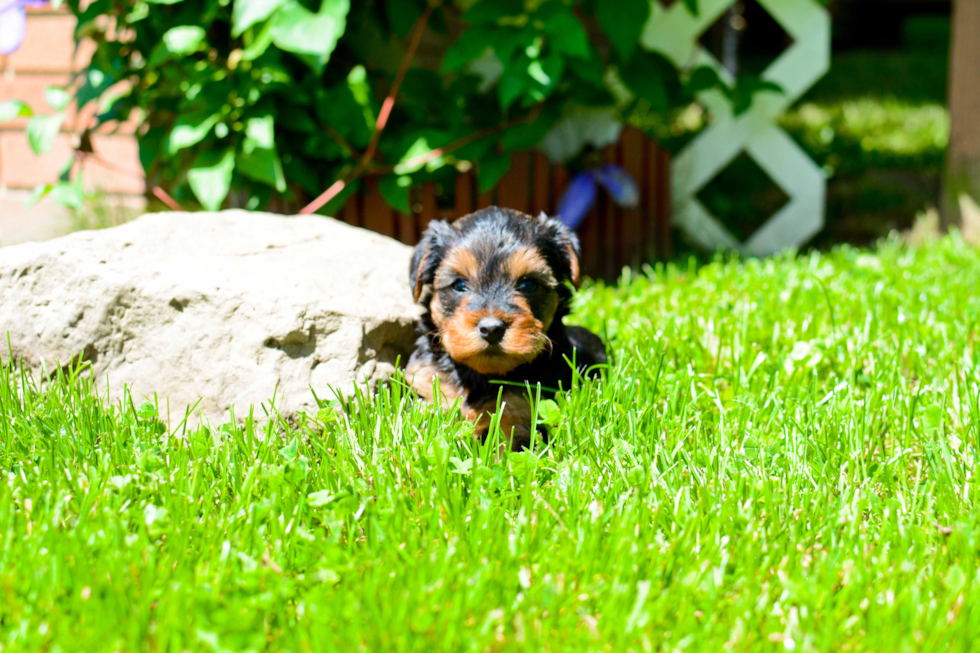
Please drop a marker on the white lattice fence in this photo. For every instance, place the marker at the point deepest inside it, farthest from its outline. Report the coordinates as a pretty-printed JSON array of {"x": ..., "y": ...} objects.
[{"x": 674, "y": 32}]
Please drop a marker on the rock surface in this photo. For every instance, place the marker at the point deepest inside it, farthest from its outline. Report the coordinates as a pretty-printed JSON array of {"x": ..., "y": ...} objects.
[{"x": 228, "y": 307}]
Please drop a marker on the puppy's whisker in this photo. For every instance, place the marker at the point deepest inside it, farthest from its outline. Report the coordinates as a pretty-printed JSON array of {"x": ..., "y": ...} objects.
[{"x": 550, "y": 344}]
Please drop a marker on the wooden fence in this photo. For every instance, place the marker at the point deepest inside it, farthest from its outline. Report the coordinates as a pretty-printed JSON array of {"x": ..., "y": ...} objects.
[{"x": 612, "y": 237}]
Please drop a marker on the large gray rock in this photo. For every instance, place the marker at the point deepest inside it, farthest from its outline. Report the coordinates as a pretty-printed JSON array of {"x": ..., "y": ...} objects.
[{"x": 224, "y": 307}]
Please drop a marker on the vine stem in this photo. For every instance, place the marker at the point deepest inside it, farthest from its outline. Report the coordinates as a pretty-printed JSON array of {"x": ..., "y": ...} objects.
[{"x": 382, "y": 121}]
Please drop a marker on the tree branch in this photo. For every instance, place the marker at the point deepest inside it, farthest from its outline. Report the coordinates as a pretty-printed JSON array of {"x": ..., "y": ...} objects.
[{"x": 382, "y": 120}]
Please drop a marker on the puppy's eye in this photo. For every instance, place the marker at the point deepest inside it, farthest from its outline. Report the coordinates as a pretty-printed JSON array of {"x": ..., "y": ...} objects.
[
  {"x": 459, "y": 285},
  {"x": 527, "y": 286}
]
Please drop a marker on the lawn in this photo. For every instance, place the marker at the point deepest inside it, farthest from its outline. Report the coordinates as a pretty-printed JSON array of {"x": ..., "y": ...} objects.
[{"x": 783, "y": 457}]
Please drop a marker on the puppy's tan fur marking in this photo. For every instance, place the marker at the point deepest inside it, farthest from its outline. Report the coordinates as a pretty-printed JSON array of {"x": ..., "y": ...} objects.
[
  {"x": 460, "y": 262},
  {"x": 419, "y": 283},
  {"x": 529, "y": 262},
  {"x": 575, "y": 272}
]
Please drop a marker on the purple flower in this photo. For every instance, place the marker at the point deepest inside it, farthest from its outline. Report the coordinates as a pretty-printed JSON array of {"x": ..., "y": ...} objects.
[
  {"x": 577, "y": 199},
  {"x": 13, "y": 22},
  {"x": 580, "y": 195}
]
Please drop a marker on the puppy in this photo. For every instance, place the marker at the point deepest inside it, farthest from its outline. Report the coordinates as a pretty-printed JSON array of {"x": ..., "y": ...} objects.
[{"x": 495, "y": 288}]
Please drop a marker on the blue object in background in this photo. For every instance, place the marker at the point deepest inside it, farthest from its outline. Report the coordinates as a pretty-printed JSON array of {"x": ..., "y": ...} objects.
[
  {"x": 579, "y": 197},
  {"x": 13, "y": 22}
]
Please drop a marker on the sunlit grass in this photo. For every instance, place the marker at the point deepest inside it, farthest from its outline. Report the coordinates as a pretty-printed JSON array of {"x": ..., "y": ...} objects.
[{"x": 783, "y": 457}]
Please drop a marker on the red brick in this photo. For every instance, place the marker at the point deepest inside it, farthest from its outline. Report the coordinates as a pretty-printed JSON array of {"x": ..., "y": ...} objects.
[
  {"x": 21, "y": 168},
  {"x": 116, "y": 170},
  {"x": 49, "y": 46},
  {"x": 29, "y": 89}
]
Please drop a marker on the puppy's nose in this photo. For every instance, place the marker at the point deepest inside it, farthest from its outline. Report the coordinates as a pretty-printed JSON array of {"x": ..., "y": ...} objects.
[{"x": 492, "y": 329}]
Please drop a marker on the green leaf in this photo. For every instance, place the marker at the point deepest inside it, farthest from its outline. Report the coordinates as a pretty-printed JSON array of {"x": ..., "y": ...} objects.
[
  {"x": 703, "y": 78},
  {"x": 96, "y": 83},
  {"x": 692, "y": 6},
  {"x": 184, "y": 39},
  {"x": 257, "y": 44},
  {"x": 321, "y": 498},
  {"x": 394, "y": 190},
  {"x": 68, "y": 194},
  {"x": 57, "y": 98},
  {"x": 528, "y": 134},
  {"x": 291, "y": 450},
  {"x": 296, "y": 29},
  {"x": 513, "y": 83},
  {"x": 744, "y": 92},
  {"x": 210, "y": 177},
  {"x": 419, "y": 147},
  {"x": 146, "y": 411},
  {"x": 13, "y": 109},
  {"x": 955, "y": 579},
  {"x": 299, "y": 171},
  {"x": 40, "y": 192},
  {"x": 623, "y": 22},
  {"x": 246, "y": 13},
  {"x": 546, "y": 74},
  {"x": 548, "y": 412},
  {"x": 491, "y": 168},
  {"x": 258, "y": 158},
  {"x": 361, "y": 92},
  {"x": 42, "y": 130},
  {"x": 260, "y": 133},
  {"x": 402, "y": 15},
  {"x": 190, "y": 129},
  {"x": 296, "y": 119},
  {"x": 490, "y": 11},
  {"x": 653, "y": 79},
  {"x": 471, "y": 45},
  {"x": 567, "y": 35}
]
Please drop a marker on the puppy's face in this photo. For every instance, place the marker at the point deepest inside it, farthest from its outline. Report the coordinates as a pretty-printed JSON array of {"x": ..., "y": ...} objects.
[{"x": 494, "y": 291}]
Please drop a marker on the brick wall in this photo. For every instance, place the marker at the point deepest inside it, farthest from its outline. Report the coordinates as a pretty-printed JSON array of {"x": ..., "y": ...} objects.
[{"x": 48, "y": 57}]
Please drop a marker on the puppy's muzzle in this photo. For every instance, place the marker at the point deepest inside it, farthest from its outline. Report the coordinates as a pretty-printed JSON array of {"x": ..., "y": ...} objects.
[{"x": 492, "y": 330}]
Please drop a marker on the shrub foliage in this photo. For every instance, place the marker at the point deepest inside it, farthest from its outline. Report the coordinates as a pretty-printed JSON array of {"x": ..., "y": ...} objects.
[{"x": 253, "y": 103}]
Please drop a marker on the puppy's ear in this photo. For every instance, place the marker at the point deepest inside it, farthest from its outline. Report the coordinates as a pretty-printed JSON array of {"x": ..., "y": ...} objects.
[
  {"x": 561, "y": 248},
  {"x": 429, "y": 254}
]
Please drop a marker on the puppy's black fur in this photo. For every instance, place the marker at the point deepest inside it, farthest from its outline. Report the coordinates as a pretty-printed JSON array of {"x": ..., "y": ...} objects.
[{"x": 511, "y": 271}]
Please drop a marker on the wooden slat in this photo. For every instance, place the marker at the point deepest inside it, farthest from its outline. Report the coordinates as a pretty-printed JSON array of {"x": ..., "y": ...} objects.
[
  {"x": 631, "y": 233},
  {"x": 351, "y": 213},
  {"x": 665, "y": 248},
  {"x": 611, "y": 237},
  {"x": 589, "y": 235},
  {"x": 611, "y": 221},
  {"x": 407, "y": 228},
  {"x": 651, "y": 201},
  {"x": 376, "y": 214},
  {"x": 430, "y": 208},
  {"x": 541, "y": 186},
  {"x": 513, "y": 191},
  {"x": 483, "y": 200},
  {"x": 559, "y": 182},
  {"x": 464, "y": 195}
]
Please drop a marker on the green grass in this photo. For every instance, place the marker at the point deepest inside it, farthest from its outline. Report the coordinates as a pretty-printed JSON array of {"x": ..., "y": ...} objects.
[{"x": 784, "y": 457}]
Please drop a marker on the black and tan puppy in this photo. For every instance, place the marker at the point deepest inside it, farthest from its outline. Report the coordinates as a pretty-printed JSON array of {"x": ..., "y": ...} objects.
[{"x": 494, "y": 284}]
